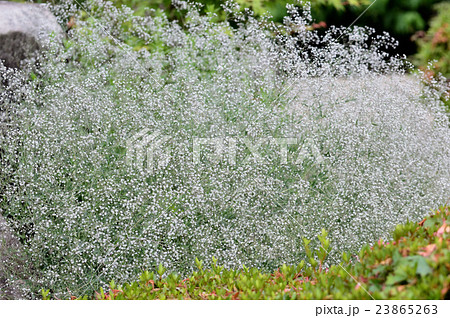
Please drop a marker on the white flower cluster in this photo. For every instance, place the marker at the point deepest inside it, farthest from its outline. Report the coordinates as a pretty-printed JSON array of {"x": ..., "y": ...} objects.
[{"x": 87, "y": 217}]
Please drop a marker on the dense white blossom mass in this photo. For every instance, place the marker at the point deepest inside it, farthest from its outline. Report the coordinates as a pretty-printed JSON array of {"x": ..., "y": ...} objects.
[{"x": 316, "y": 131}]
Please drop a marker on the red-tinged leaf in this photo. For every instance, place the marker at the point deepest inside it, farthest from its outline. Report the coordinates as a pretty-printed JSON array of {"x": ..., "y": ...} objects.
[
  {"x": 428, "y": 250},
  {"x": 422, "y": 222},
  {"x": 150, "y": 282},
  {"x": 387, "y": 261},
  {"x": 404, "y": 252},
  {"x": 363, "y": 279},
  {"x": 445, "y": 292},
  {"x": 401, "y": 288},
  {"x": 319, "y": 25},
  {"x": 205, "y": 295},
  {"x": 436, "y": 257},
  {"x": 298, "y": 275},
  {"x": 278, "y": 274},
  {"x": 445, "y": 228},
  {"x": 71, "y": 23}
]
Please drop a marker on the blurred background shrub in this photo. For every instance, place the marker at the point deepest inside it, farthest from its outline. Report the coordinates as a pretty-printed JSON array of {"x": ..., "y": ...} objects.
[
  {"x": 435, "y": 43},
  {"x": 422, "y": 27}
]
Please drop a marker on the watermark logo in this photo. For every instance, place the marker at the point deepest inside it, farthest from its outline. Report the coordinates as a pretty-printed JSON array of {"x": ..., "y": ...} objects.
[
  {"x": 149, "y": 150},
  {"x": 225, "y": 149},
  {"x": 145, "y": 151}
]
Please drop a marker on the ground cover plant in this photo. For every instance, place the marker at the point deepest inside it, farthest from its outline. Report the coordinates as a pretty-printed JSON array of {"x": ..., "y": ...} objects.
[
  {"x": 260, "y": 135},
  {"x": 434, "y": 45},
  {"x": 413, "y": 265}
]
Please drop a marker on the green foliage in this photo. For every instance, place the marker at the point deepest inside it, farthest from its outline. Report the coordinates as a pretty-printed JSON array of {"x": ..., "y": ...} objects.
[
  {"x": 275, "y": 8},
  {"x": 278, "y": 8},
  {"x": 400, "y": 18},
  {"x": 396, "y": 16},
  {"x": 435, "y": 43},
  {"x": 412, "y": 266},
  {"x": 76, "y": 203}
]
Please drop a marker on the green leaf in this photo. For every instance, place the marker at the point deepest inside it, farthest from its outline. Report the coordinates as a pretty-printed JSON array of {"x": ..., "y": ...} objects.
[
  {"x": 423, "y": 268},
  {"x": 395, "y": 278},
  {"x": 161, "y": 270},
  {"x": 44, "y": 293},
  {"x": 198, "y": 263},
  {"x": 407, "y": 22},
  {"x": 429, "y": 223},
  {"x": 379, "y": 269}
]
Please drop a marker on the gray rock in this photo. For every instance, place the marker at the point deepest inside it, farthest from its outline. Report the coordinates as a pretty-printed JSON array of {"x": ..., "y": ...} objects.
[
  {"x": 24, "y": 28},
  {"x": 12, "y": 265}
]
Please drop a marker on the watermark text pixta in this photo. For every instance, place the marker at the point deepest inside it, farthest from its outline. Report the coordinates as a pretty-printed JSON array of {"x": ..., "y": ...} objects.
[{"x": 153, "y": 150}]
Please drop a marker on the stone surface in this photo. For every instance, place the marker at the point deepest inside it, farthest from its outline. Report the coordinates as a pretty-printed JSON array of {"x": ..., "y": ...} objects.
[
  {"x": 24, "y": 28},
  {"x": 12, "y": 272}
]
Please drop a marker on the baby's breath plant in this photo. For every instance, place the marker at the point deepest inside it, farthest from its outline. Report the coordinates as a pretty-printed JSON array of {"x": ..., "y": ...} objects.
[{"x": 314, "y": 131}]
